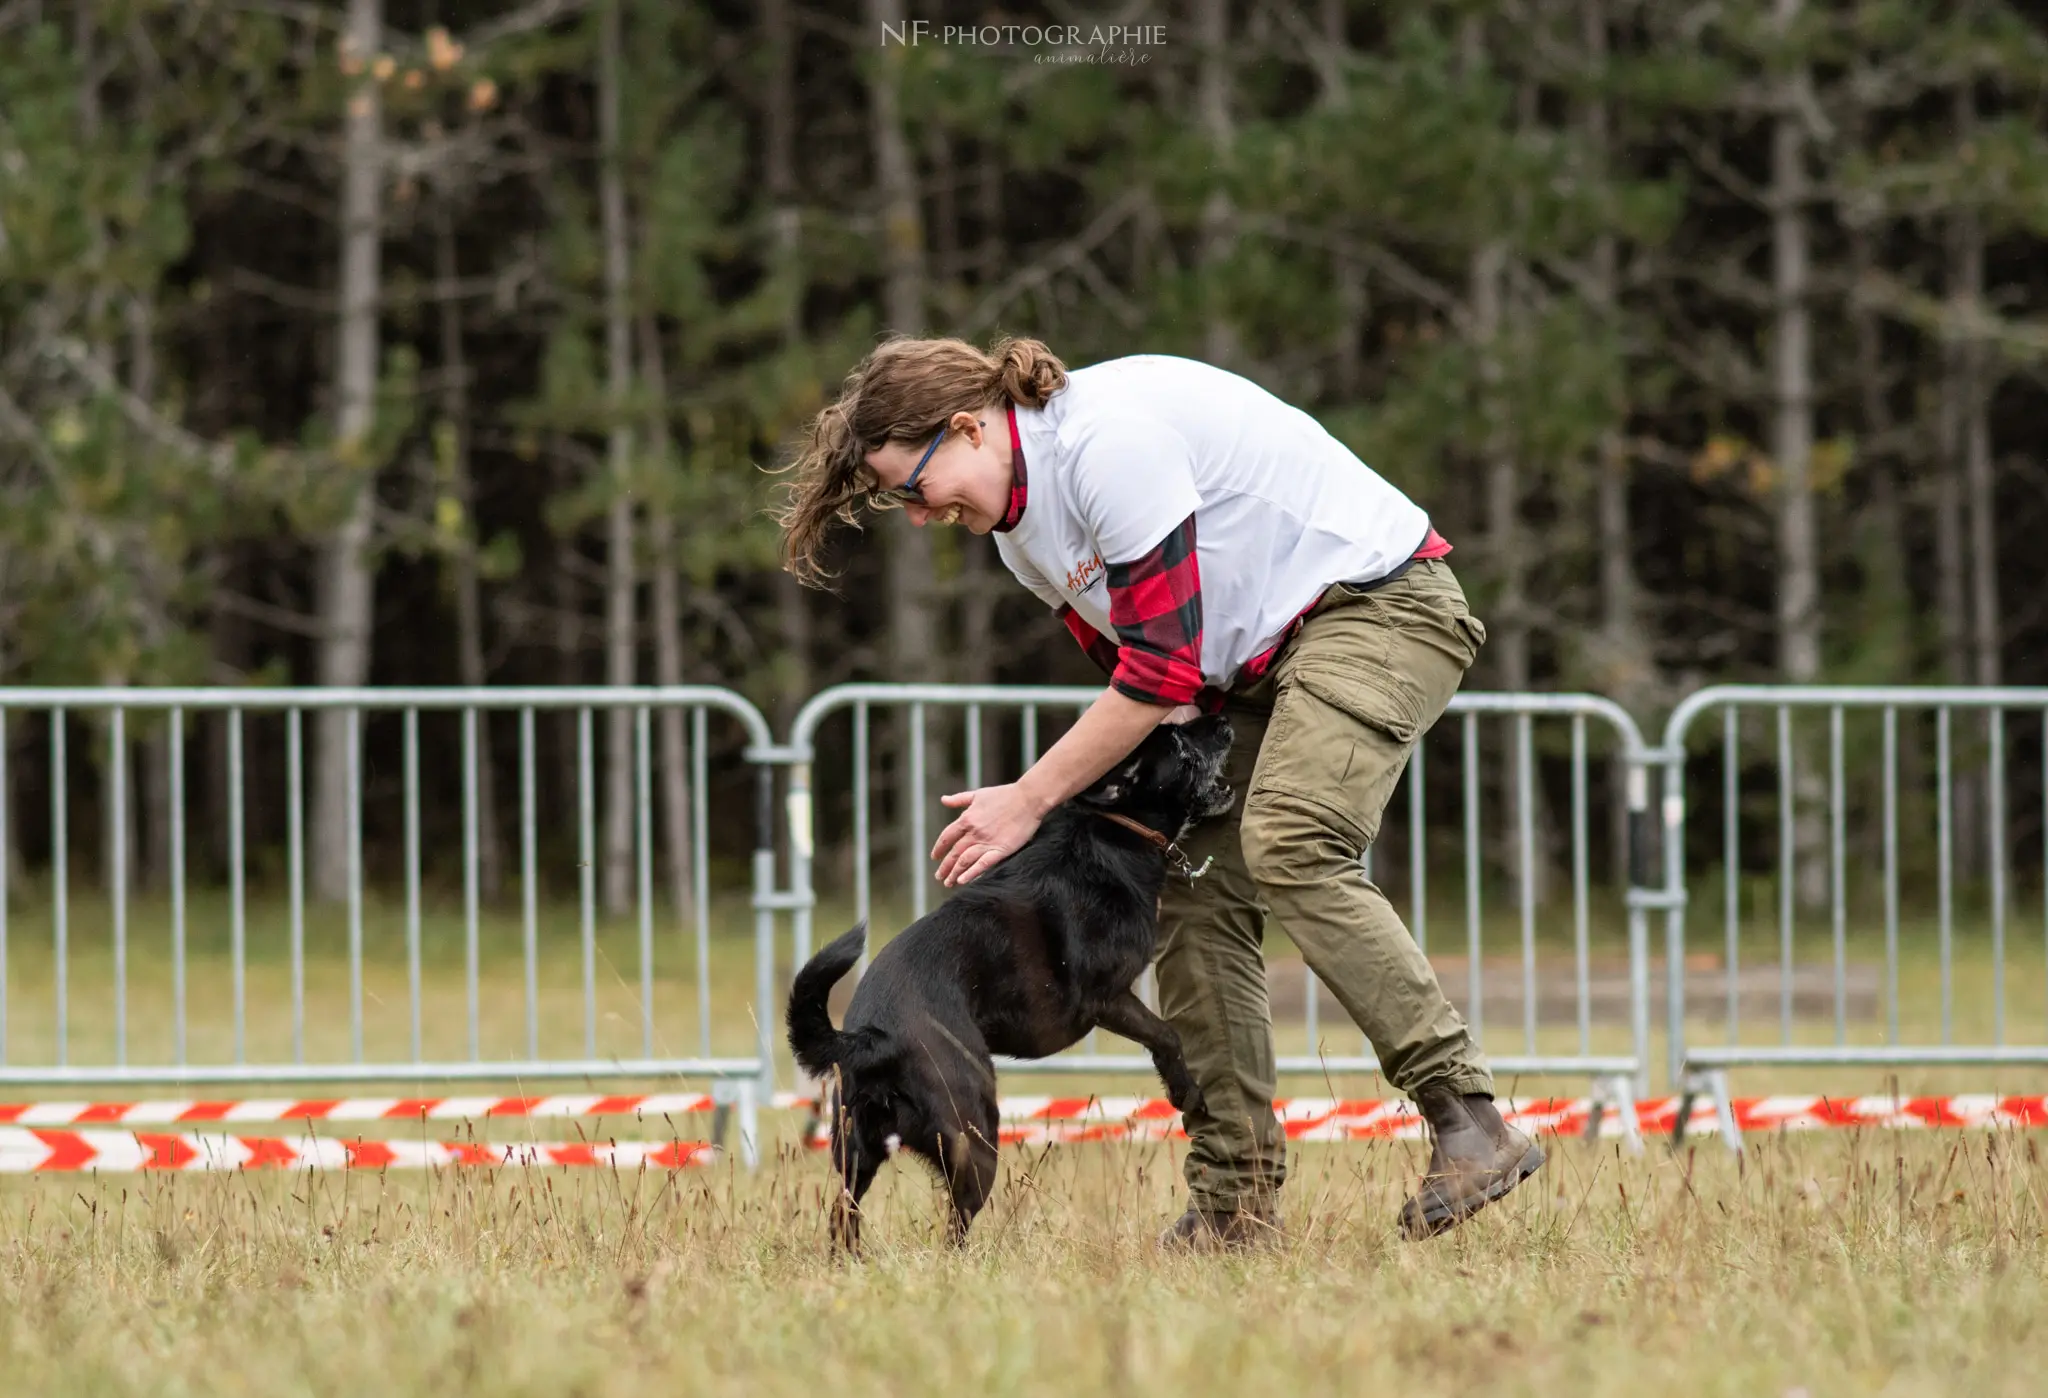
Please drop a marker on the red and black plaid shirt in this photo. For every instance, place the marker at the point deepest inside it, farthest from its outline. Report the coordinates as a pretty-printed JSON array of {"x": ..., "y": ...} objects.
[{"x": 1155, "y": 604}]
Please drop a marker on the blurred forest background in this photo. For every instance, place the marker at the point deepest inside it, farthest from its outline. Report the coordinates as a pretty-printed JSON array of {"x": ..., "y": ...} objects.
[{"x": 446, "y": 342}]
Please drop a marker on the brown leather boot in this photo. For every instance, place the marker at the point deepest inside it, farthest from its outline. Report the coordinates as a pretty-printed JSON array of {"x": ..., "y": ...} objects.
[
  {"x": 1207, "y": 1230},
  {"x": 1475, "y": 1159}
]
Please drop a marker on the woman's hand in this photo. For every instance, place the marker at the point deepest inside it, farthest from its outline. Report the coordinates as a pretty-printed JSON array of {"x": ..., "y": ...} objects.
[{"x": 994, "y": 823}]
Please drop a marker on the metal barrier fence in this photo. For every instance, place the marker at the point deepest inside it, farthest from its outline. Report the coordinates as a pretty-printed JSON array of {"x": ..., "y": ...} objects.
[
  {"x": 965, "y": 748},
  {"x": 66, "y": 1016},
  {"x": 1841, "y": 794},
  {"x": 1882, "y": 808}
]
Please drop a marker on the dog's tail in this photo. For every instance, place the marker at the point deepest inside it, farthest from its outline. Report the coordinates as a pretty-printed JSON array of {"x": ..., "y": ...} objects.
[{"x": 817, "y": 1045}]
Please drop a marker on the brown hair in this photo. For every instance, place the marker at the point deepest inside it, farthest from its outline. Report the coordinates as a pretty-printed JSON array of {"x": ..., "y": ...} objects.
[{"x": 904, "y": 391}]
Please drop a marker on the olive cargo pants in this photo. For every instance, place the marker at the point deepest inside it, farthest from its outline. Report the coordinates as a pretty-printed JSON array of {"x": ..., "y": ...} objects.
[{"x": 1320, "y": 742}]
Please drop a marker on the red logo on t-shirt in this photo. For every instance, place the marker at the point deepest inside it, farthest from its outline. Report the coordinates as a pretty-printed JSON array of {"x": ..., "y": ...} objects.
[{"x": 1084, "y": 575}]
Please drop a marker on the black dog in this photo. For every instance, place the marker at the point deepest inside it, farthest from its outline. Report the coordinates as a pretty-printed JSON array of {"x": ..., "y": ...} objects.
[{"x": 1024, "y": 961}]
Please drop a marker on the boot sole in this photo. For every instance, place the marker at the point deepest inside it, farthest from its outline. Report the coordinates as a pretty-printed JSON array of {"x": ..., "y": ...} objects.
[{"x": 1444, "y": 1217}]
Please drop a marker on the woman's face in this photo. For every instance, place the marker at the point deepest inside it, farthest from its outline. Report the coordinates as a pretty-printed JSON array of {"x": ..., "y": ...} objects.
[{"x": 966, "y": 480}]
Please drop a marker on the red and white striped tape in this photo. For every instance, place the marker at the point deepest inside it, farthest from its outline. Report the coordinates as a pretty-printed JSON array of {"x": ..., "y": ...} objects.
[
  {"x": 29, "y": 1140},
  {"x": 649, "y": 1106},
  {"x": 31, "y": 1150},
  {"x": 1065, "y": 1120}
]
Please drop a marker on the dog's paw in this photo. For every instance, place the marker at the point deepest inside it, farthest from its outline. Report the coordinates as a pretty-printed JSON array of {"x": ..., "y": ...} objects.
[{"x": 1188, "y": 1099}]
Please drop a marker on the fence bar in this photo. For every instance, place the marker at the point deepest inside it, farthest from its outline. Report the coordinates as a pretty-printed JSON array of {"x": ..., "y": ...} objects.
[
  {"x": 177, "y": 798},
  {"x": 295, "y": 861},
  {"x": 1418, "y": 853},
  {"x": 1891, "y": 872},
  {"x": 863, "y": 849},
  {"x": 412, "y": 877},
  {"x": 6, "y": 880},
  {"x": 1311, "y": 1012},
  {"x": 355, "y": 882},
  {"x": 1837, "y": 884},
  {"x": 529, "y": 876},
  {"x": 919, "y": 877},
  {"x": 586, "y": 863},
  {"x": 973, "y": 746},
  {"x": 471, "y": 951},
  {"x": 700, "y": 873},
  {"x": 1731, "y": 856},
  {"x": 1788, "y": 871},
  {"x": 117, "y": 764},
  {"x": 1477, "y": 1012},
  {"x": 765, "y": 1018},
  {"x": 1028, "y": 727},
  {"x": 1581, "y": 885},
  {"x": 1525, "y": 818},
  {"x": 1944, "y": 817},
  {"x": 237, "y": 857},
  {"x": 643, "y": 825},
  {"x": 60, "y": 876},
  {"x": 1994, "y": 777}
]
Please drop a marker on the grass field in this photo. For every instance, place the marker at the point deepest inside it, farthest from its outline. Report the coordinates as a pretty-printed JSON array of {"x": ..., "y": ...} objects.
[{"x": 1875, "y": 1264}]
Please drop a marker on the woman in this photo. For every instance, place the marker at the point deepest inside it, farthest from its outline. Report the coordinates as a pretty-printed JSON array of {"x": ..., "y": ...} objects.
[{"x": 1209, "y": 546}]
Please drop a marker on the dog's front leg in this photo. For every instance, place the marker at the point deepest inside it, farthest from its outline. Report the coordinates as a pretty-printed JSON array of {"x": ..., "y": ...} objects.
[
  {"x": 856, "y": 1173},
  {"x": 1128, "y": 1016}
]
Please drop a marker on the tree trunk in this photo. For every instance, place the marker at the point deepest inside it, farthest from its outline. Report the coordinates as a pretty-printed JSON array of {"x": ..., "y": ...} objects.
[
  {"x": 1969, "y": 559},
  {"x": 1352, "y": 300},
  {"x": 792, "y": 598},
  {"x": 912, "y": 579},
  {"x": 1623, "y": 667},
  {"x": 668, "y": 635},
  {"x": 1213, "y": 104},
  {"x": 1799, "y": 618},
  {"x": 1975, "y": 392},
  {"x": 619, "y": 570},
  {"x": 1887, "y": 602},
  {"x": 1503, "y": 477},
  {"x": 469, "y": 622},
  {"x": 1792, "y": 385},
  {"x": 345, "y": 584}
]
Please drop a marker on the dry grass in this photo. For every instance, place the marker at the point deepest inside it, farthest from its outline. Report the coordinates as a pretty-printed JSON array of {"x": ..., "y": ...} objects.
[
  {"x": 1877, "y": 1263},
  {"x": 1868, "y": 1264}
]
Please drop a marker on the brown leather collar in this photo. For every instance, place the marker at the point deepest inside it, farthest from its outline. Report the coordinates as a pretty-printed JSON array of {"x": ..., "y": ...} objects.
[{"x": 1176, "y": 857}]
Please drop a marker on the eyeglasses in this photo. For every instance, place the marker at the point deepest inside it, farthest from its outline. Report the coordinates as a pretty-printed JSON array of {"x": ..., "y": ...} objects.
[{"x": 908, "y": 491}]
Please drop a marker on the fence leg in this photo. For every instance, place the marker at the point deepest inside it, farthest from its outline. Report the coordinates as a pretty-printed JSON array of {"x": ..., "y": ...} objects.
[
  {"x": 750, "y": 1126},
  {"x": 1724, "y": 1110},
  {"x": 1714, "y": 1084},
  {"x": 1689, "y": 1092},
  {"x": 721, "y": 1111},
  {"x": 1616, "y": 1094}
]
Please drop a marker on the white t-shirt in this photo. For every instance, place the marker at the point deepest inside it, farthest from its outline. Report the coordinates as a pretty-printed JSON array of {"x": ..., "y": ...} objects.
[{"x": 1131, "y": 447}]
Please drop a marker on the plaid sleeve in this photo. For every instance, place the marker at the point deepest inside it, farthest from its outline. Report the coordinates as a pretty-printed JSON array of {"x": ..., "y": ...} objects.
[
  {"x": 1155, "y": 603},
  {"x": 1100, "y": 649}
]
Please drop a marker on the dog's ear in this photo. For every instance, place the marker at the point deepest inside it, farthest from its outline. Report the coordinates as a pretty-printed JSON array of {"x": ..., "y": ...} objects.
[{"x": 1114, "y": 785}]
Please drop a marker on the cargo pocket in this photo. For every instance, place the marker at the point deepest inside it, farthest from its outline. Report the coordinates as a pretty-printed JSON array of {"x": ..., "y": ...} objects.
[
  {"x": 1474, "y": 632},
  {"x": 1337, "y": 745}
]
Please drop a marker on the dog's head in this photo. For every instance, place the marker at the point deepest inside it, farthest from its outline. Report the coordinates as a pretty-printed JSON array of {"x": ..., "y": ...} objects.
[{"x": 1173, "y": 779}]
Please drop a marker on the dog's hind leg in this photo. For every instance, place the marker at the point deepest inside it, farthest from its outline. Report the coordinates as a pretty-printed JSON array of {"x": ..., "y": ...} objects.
[
  {"x": 971, "y": 1170},
  {"x": 1127, "y": 1015}
]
